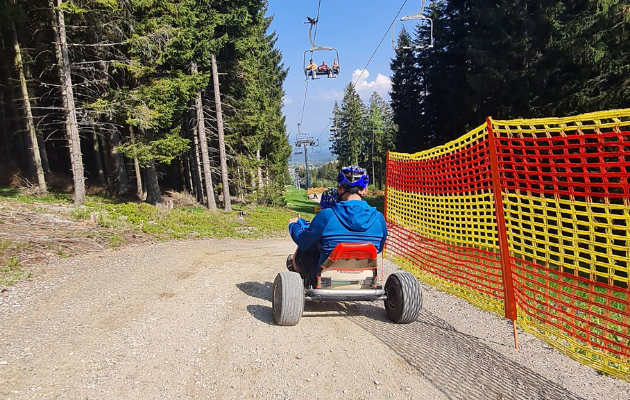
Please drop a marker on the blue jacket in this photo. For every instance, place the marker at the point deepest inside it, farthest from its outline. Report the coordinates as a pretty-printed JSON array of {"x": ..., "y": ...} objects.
[{"x": 352, "y": 221}]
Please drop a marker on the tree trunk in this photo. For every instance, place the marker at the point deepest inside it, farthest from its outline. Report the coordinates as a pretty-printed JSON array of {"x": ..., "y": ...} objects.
[
  {"x": 186, "y": 171},
  {"x": 203, "y": 146},
  {"x": 30, "y": 125},
  {"x": 120, "y": 172},
  {"x": 136, "y": 166},
  {"x": 36, "y": 117},
  {"x": 260, "y": 180},
  {"x": 43, "y": 153},
  {"x": 151, "y": 181},
  {"x": 70, "y": 110},
  {"x": 195, "y": 165},
  {"x": 186, "y": 157},
  {"x": 227, "y": 202},
  {"x": 100, "y": 172},
  {"x": 108, "y": 162},
  {"x": 13, "y": 118},
  {"x": 4, "y": 131}
]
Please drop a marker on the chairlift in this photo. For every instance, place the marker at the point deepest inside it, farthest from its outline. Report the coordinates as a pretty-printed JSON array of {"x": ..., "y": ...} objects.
[
  {"x": 302, "y": 137},
  {"x": 315, "y": 147},
  {"x": 413, "y": 17},
  {"x": 315, "y": 48}
]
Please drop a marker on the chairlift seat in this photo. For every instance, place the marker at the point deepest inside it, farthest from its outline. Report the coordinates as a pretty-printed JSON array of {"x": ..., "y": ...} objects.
[{"x": 321, "y": 72}]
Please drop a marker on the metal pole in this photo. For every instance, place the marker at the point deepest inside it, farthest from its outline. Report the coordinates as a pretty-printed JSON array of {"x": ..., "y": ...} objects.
[
  {"x": 373, "y": 174},
  {"x": 308, "y": 175}
]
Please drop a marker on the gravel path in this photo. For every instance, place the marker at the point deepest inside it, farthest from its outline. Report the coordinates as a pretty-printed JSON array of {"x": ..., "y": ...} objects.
[{"x": 193, "y": 320}]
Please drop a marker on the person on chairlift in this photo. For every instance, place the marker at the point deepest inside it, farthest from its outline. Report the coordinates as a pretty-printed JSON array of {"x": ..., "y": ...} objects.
[
  {"x": 323, "y": 67},
  {"x": 346, "y": 219},
  {"x": 311, "y": 70},
  {"x": 334, "y": 69}
]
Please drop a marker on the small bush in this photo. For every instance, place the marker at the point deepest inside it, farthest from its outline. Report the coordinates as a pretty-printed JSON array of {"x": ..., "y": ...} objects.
[{"x": 271, "y": 195}]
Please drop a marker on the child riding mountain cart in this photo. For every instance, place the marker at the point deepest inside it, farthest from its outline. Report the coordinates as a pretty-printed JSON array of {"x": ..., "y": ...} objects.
[{"x": 336, "y": 259}]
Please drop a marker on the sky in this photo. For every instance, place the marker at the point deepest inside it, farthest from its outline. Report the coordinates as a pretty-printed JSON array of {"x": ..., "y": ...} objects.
[{"x": 354, "y": 28}]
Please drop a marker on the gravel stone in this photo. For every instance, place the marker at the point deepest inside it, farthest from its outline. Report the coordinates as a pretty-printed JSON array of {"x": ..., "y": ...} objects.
[{"x": 193, "y": 319}]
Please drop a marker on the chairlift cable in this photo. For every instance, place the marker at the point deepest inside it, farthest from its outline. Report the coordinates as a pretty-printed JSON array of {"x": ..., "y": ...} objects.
[
  {"x": 306, "y": 90},
  {"x": 371, "y": 57},
  {"x": 317, "y": 19},
  {"x": 304, "y": 103}
]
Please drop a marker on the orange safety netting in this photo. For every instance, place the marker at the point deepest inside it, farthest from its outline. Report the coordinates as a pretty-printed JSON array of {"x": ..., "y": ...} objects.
[{"x": 565, "y": 211}]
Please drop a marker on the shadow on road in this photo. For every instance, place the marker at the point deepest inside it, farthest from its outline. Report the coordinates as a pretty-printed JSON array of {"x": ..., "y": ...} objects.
[
  {"x": 261, "y": 313},
  {"x": 256, "y": 289},
  {"x": 323, "y": 309},
  {"x": 459, "y": 365}
]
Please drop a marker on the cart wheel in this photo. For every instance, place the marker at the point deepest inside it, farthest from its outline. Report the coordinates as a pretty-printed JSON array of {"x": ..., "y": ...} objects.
[
  {"x": 288, "y": 298},
  {"x": 404, "y": 298}
]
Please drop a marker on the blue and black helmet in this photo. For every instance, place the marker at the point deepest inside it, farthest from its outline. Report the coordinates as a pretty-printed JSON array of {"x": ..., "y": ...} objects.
[
  {"x": 353, "y": 176},
  {"x": 329, "y": 198}
]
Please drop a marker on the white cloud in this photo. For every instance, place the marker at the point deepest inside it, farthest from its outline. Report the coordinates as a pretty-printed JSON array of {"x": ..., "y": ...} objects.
[
  {"x": 381, "y": 84},
  {"x": 329, "y": 95},
  {"x": 287, "y": 101}
]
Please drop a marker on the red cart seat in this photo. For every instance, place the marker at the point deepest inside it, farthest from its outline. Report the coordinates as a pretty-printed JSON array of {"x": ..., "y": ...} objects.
[{"x": 350, "y": 265}]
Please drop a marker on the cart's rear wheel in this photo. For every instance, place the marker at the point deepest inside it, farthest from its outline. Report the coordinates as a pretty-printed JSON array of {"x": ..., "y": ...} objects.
[
  {"x": 404, "y": 297},
  {"x": 288, "y": 298}
]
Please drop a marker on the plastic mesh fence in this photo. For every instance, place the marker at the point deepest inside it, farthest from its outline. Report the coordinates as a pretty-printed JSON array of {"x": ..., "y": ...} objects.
[
  {"x": 565, "y": 186},
  {"x": 441, "y": 219},
  {"x": 566, "y": 200}
]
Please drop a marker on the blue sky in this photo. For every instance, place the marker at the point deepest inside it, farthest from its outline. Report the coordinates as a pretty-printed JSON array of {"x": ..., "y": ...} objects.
[{"x": 354, "y": 28}]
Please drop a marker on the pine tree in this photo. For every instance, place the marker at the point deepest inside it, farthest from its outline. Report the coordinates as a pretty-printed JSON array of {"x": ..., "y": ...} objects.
[
  {"x": 407, "y": 97},
  {"x": 350, "y": 145}
]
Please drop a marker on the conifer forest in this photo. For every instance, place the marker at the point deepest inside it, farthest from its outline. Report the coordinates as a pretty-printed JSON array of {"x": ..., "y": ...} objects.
[
  {"x": 141, "y": 96},
  {"x": 507, "y": 59}
]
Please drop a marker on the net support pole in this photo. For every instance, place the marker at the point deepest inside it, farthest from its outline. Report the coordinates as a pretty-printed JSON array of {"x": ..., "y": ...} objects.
[
  {"x": 504, "y": 249},
  {"x": 386, "y": 170},
  {"x": 385, "y": 201},
  {"x": 384, "y": 214}
]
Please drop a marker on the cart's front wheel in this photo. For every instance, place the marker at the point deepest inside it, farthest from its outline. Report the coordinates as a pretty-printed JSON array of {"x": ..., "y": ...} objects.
[
  {"x": 288, "y": 298},
  {"x": 404, "y": 297}
]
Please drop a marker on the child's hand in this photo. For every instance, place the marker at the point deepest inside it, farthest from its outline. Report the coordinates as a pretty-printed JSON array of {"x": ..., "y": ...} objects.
[{"x": 292, "y": 220}]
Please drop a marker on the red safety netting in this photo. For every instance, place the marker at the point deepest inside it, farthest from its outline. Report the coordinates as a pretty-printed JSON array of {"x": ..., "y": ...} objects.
[
  {"x": 463, "y": 171},
  {"x": 578, "y": 165}
]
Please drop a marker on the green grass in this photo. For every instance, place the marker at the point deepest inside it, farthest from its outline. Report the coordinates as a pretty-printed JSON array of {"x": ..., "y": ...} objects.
[
  {"x": 116, "y": 240},
  {"x": 12, "y": 272},
  {"x": 52, "y": 197},
  {"x": 299, "y": 204},
  {"x": 187, "y": 222},
  {"x": 124, "y": 218},
  {"x": 376, "y": 201}
]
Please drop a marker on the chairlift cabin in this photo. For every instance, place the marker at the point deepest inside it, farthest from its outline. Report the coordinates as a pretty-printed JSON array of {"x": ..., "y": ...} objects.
[
  {"x": 413, "y": 17},
  {"x": 329, "y": 72}
]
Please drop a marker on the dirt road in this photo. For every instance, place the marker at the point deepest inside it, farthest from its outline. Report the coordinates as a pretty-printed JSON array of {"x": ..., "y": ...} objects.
[{"x": 193, "y": 320}]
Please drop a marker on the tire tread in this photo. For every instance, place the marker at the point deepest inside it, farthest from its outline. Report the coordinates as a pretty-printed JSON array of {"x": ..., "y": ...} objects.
[
  {"x": 411, "y": 298},
  {"x": 291, "y": 298}
]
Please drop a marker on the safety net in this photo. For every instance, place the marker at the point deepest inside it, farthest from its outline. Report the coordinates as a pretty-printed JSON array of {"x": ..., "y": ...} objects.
[{"x": 565, "y": 209}]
